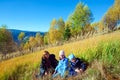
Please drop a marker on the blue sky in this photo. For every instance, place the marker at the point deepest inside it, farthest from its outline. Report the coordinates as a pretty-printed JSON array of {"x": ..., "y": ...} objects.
[{"x": 36, "y": 15}]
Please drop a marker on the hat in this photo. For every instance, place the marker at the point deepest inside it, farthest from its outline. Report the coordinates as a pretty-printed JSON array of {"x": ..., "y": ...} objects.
[
  {"x": 61, "y": 53},
  {"x": 71, "y": 56}
]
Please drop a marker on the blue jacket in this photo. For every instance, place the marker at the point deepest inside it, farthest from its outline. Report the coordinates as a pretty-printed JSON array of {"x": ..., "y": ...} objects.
[
  {"x": 61, "y": 67},
  {"x": 77, "y": 65}
]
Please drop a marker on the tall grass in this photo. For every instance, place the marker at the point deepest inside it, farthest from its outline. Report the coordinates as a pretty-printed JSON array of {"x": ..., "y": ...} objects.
[
  {"x": 102, "y": 53},
  {"x": 105, "y": 61}
]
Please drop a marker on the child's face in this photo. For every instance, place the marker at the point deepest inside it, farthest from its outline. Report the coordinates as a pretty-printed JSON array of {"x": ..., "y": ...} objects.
[
  {"x": 62, "y": 56},
  {"x": 47, "y": 55},
  {"x": 73, "y": 60}
]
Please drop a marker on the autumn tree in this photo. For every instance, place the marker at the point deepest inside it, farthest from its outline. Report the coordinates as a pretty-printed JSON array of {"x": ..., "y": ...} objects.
[
  {"x": 112, "y": 17},
  {"x": 7, "y": 43},
  {"x": 97, "y": 26},
  {"x": 46, "y": 39},
  {"x": 21, "y": 36},
  {"x": 52, "y": 33},
  {"x": 61, "y": 27},
  {"x": 39, "y": 40},
  {"x": 88, "y": 28},
  {"x": 32, "y": 43},
  {"x": 27, "y": 46},
  {"x": 21, "y": 42},
  {"x": 80, "y": 18},
  {"x": 56, "y": 30}
]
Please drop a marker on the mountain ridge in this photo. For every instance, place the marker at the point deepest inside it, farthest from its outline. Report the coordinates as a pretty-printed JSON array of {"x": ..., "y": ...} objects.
[{"x": 15, "y": 33}]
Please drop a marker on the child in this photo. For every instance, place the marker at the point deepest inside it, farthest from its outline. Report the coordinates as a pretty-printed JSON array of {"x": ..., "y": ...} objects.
[
  {"x": 62, "y": 65},
  {"x": 48, "y": 63},
  {"x": 76, "y": 65}
]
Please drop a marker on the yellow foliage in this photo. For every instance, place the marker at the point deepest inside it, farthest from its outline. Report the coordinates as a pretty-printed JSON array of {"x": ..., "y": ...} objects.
[
  {"x": 77, "y": 48},
  {"x": 32, "y": 41}
]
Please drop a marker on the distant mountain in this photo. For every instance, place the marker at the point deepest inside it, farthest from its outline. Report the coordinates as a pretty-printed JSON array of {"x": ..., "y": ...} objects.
[{"x": 15, "y": 34}]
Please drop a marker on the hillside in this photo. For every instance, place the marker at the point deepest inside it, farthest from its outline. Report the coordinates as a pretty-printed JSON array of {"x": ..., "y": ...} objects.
[
  {"x": 15, "y": 34},
  {"x": 25, "y": 65}
]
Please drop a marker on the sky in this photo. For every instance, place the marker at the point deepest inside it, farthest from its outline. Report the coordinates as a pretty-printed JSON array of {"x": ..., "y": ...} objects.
[{"x": 36, "y": 15}]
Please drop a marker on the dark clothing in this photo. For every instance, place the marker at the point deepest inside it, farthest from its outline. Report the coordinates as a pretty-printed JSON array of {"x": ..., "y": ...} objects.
[
  {"x": 78, "y": 64},
  {"x": 53, "y": 60},
  {"x": 48, "y": 65}
]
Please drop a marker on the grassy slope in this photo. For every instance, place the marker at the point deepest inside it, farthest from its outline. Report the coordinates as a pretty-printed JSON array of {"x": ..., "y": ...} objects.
[{"x": 9, "y": 66}]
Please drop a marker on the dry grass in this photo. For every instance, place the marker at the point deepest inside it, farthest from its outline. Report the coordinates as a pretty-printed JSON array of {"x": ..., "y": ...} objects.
[{"x": 32, "y": 60}]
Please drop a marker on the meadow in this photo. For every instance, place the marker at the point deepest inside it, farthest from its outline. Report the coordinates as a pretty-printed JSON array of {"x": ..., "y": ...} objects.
[{"x": 101, "y": 52}]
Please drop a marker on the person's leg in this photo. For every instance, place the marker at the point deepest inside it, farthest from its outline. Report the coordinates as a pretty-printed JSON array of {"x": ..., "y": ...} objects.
[
  {"x": 55, "y": 75},
  {"x": 41, "y": 74}
]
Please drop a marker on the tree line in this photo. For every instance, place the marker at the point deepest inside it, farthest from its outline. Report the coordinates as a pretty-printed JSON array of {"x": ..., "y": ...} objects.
[
  {"x": 79, "y": 22},
  {"x": 111, "y": 19},
  {"x": 7, "y": 43}
]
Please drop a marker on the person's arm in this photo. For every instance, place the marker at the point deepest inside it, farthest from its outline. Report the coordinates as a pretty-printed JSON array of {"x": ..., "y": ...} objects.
[
  {"x": 77, "y": 65},
  {"x": 65, "y": 65},
  {"x": 83, "y": 66},
  {"x": 56, "y": 69},
  {"x": 80, "y": 66}
]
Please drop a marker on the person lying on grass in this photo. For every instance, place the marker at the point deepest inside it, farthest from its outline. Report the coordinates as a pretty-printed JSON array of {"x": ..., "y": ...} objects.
[
  {"x": 62, "y": 66},
  {"x": 76, "y": 65},
  {"x": 48, "y": 64}
]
